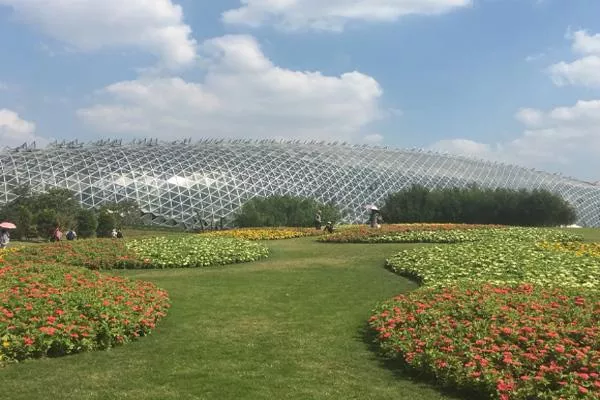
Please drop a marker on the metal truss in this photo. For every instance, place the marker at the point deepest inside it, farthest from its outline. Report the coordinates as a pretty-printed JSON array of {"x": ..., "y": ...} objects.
[{"x": 184, "y": 183}]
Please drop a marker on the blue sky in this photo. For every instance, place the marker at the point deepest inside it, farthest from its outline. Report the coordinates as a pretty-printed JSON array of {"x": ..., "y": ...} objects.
[{"x": 510, "y": 80}]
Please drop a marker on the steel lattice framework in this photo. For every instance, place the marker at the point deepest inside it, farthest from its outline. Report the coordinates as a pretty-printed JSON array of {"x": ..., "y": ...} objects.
[{"x": 182, "y": 183}]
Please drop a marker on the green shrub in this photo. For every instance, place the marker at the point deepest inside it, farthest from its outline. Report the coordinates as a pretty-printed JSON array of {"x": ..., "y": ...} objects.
[
  {"x": 87, "y": 224},
  {"x": 286, "y": 210},
  {"x": 106, "y": 223},
  {"x": 474, "y": 205}
]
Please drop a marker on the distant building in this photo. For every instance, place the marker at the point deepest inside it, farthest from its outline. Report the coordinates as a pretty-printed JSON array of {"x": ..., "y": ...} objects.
[{"x": 183, "y": 183}]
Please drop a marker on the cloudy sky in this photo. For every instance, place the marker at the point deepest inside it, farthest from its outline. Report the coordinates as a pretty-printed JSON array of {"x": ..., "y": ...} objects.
[{"x": 510, "y": 80}]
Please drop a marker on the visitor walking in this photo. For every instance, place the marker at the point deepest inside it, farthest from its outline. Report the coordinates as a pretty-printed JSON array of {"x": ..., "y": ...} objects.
[
  {"x": 318, "y": 220},
  {"x": 329, "y": 227},
  {"x": 374, "y": 218},
  {"x": 71, "y": 235},
  {"x": 56, "y": 235}
]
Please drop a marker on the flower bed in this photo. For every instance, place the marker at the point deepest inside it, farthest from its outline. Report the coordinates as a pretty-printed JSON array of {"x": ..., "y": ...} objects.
[
  {"x": 264, "y": 233},
  {"x": 93, "y": 254},
  {"x": 503, "y": 342},
  {"x": 191, "y": 251},
  {"x": 496, "y": 261},
  {"x": 444, "y": 233},
  {"x": 52, "y": 310},
  {"x": 161, "y": 252},
  {"x": 575, "y": 248}
]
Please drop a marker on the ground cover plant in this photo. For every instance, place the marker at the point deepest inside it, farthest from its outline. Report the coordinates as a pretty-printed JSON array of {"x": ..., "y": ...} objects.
[
  {"x": 512, "y": 315},
  {"x": 53, "y": 310},
  {"x": 265, "y": 233},
  {"x": 445, "y": 233},
  {"x": 401, "y": 233},
  {"x": 503, "y": 342},
  {"x": 151, "y": 252},
  {"x": 191, "y": 251},
  {"x": 498, "y": 261},
  {"x": 93, "y": 254},
  {"x": 576, "y": 248}
]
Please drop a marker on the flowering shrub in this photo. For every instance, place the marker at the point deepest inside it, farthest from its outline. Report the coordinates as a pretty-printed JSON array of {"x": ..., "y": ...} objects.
[
  {"x": 496, "y": 261},
  {"x": 191, "y": 251},
  {"x": 576, "y": 248},
  {"x": 52, "y": 310},
  {"x": 444, "y": 233},
  {"x": 503, "y": 342},
  {"x": 264, "y": 233}
]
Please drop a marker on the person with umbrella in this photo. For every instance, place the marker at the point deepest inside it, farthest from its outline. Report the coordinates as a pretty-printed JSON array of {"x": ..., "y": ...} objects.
[
  {"x": 374, "y": 217},
  {"x": 4, "y": 236}
]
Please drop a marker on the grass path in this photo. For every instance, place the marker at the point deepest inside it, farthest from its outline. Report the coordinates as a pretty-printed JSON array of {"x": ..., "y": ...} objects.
[{"x": 290, "y": 327}]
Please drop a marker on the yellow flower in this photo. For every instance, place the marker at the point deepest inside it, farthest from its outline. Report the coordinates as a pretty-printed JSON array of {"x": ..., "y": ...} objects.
[{"x": 6, "y": 344}]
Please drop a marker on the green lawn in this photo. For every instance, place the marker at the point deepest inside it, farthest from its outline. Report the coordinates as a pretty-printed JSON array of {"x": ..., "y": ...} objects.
[{"x": 290, "y": 327}]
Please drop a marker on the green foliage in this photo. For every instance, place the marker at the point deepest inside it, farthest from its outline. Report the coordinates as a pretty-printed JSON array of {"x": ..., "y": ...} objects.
[
  {"x": 445, "y": 233},
  {"x": 474, "y": 205},
  {"x": 106, "y": 223},
  {"x": 284, "y": 211},
  {"x": 126, "y": 212},
  {"x": 191, "y": 251},
  {"x": 63, "y": 202},
  {"x": 56, "y": 207},
  {"x": 46, "y": 220},
  {"x": 25, "y": 224},
  {"x": 498, "y": 261},
  {"x": 39, "y": 213},
  {"x": 87, "y": 223}
]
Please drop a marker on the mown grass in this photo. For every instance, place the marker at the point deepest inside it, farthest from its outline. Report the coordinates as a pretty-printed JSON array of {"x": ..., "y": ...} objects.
[{"x": 290, "y": 327}]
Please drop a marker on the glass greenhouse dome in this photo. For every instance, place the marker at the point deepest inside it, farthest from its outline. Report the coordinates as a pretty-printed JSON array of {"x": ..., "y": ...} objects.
[{"x": 184, "y": 183}]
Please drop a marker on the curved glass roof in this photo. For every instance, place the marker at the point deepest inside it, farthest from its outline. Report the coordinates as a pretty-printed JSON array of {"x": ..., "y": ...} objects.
[{"x": 185, "y": 182}]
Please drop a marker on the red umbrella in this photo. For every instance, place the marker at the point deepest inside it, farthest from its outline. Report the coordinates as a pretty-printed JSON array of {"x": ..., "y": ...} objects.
[{"x": 7, "y": 225}]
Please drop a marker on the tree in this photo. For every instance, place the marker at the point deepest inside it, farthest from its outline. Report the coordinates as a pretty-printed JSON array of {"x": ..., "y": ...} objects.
[
  {"x": 25, "y": 225},
  {"x": 126, "y": 212},
  {"x": 477, "y": 205},
  {"x": 283, "y": 211},
  {"x": 106, "y": 223},
  {"x": 63, "y": 202},
  {"x": 87, "y": 223},
  {"x": 46, "y": 220}
]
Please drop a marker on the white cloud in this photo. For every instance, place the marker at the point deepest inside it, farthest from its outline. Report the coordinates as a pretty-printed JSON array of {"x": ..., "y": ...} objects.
[
  {"x": 529, "y": 116},
  {"x": 15, "y": 131},
  {"x": 568, "y": 135},
  {"x": 332, "y": 15},
  {"x": 584, "y": 71},
  {"x": 154, "y": 26},
  {"x": 243, "y": 94},
  {"x": 585, "y": 43}
]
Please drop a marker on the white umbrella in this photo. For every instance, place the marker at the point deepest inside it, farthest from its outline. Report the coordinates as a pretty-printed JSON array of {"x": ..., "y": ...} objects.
[{"x": 372, "y": 207}]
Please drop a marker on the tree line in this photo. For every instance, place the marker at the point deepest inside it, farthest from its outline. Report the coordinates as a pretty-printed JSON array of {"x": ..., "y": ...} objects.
[
  {"x": 475, "y": 205},
  {"x": 38, "y": 214},
  {"x": 284, "y": 210}
]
